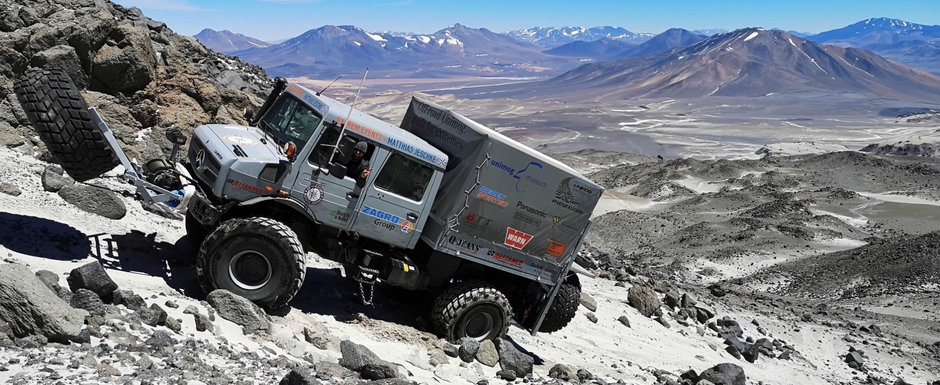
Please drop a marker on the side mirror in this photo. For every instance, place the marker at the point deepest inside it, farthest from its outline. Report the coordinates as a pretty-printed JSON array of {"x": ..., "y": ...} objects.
[
  {"x": 338, "y": 170},
  {"x": 249, "y": 114}
]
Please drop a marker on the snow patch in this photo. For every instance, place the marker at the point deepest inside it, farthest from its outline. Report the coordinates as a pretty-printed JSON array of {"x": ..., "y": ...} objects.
[
  {"x": 751, "y": 36},
  {"x": 375, "y": 37}
]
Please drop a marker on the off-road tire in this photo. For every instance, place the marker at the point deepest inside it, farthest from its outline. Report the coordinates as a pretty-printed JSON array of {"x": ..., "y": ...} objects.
[
  {"x": 563, "y": 308},
  {"x": 273, "y": 240},
  {"x": 195, "y": 231},
  {"x": 464, "y": 302},
  {"x": 60, "y": 115}
]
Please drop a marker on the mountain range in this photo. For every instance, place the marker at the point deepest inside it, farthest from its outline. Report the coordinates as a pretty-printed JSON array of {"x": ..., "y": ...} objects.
[
  {"x": 607, "y": 49},
  {"x": 745, "y": 62},
  {"x": 227, "y": 41},
  {"x": 551, "y": 37},
  {"x": 913, "y": 44}
]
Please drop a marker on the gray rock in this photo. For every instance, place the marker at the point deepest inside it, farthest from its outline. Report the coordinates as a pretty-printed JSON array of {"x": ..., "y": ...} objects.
[
  {"x": 171, "y": 304},
  {"x": 587, "y": 301},
  {"x": 31, "y": 308},
  {"x": 317, "y": 338},
  {"x": 128, "y": 64},
  {"x": 624, "y": 320},
  {"x": 450, "y": 350},
  {"x": 585, "y": 375},
  {"x": 92, "y": 276},
  {"x": 88, "y": 300},
  {"x": 95, "y": 200},
  {"x": 239, "y": 310},
  {"x": 128, "y": 299},
  {"x": 512, "y": 359},
  {"x": 468, "y": 349},
  {"x": 10, "y": 189},
  {"x": 688, "y": 302},
  {"x": 50, "y": 279},
  {"x": 359, "y": 358},
  {"x": 202, "y": 322},
  {"x": 299, "y": 376},
  {"x": 662, "y": 321},
  {"x": 702, "y": 315},
  {"x": 855, "y": 357},
  {"x": 437, "y": 357},
  {"x": 591, "y": 317},
  {"x": 328, "y": 370},
  {"x": 487, "y": 354},
  {"x": 64, "y": 57},
  {"x": 672, "y": 299},
  {"x": 160, "y": 339},
  {"x": 563, "y": 372},
  {"x": 153, "y": 315},
  {"x": 174, "y": 324},
  {"x": 724, "y": 374},
  {"x": 644, "y": 299},
  {"x": 506, "y": 374},
  {"x": 751, "y": 353}
]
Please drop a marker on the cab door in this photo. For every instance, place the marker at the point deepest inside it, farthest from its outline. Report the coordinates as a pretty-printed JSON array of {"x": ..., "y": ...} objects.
[
  {"x": 331, "y": 200},
  {"x": 397, "y": 199}
]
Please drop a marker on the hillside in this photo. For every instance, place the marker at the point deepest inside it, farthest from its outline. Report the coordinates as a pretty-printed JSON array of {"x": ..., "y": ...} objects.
[{"x": 228, "y": 41}]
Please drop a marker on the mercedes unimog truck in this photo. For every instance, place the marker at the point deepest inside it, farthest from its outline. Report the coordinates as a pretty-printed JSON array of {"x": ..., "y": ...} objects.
[{"x": 489, "y": 227}]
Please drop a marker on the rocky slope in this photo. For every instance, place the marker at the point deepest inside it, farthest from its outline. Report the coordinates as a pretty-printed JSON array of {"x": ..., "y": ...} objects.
[{"x": 143, "y": 77}]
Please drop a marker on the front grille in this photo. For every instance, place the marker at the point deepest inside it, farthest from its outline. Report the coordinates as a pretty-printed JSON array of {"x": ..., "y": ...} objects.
[{"x": 210, "y": 170}]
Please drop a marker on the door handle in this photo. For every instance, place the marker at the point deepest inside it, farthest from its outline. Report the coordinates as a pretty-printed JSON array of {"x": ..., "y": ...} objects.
[
  {"x": 352, "y": 196},
  {"x": 412, "y": 217}
]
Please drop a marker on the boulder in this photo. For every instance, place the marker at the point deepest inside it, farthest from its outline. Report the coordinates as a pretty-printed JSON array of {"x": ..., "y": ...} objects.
[
  {"x": 202, "y": 322},
  {"x": 31, "y": 308},
  {"x": 299, "y": 377},
  {"x": 87, "y": 300},
  {"x": 153, "y": 315},
  {"x": 487, "y": 354},
  {"x": 687, "y": 301},
  {"x": 95, "y": 200},
  {"x": 239, "y": 310},
  {"x": 127, "y": 65},
  {"x": 63, "y": 57},
  {"x": 624, "y": 320},
  {"x": 160, "y": 339},
  {"x": 591, "y": 317},
  {"x": 855, "y": 359},
  {"x": 437, "y": 357},
  {"x": 10, "y": 189},
  {"x": 128, "y": 299},
  {"x": 360, "y": 359},
  {"x": 724, "y": 374},
  {"x": 50, "y": 279},
  {"x": 587, "y": 301},
  {"x": 644, "y": 299},
  {"x": 512, "y": 359},
  {"x": 563, "y": 372},
  {"x": 468, "y": 349},
  {"x": 54, "y": 179},
  {"x": 92, "y": 276},
  {"x": 702, "y": 315}
]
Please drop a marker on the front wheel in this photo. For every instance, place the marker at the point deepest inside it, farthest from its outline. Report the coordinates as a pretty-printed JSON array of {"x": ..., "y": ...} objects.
[
  {"x": 472, "y": 309},
  {"x": 260, "y": 259}
]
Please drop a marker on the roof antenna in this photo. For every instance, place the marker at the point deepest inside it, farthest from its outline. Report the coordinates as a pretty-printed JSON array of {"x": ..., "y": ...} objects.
[
  {"x": 328, "y": 85},
  {"x": 348, "y": 115}
]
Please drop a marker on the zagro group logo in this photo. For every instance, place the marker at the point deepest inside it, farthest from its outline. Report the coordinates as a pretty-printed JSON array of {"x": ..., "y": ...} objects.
[
  {"x": 492, "y": 196},
  {"x": 528, "y": 174},
  {"x": 388, "y": 217},
  {"x": 516, "y": 239}
]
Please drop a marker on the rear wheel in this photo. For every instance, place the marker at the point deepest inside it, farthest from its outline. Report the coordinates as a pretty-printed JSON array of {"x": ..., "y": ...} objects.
[
  {"x": 472, "y": 309},
  {"x": 257, "y": 258},
  {"x": 60, "y": 115},
  {"x": 563, "y": 308}
]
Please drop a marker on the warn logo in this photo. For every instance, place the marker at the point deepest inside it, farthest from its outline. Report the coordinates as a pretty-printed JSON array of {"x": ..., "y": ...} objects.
[{"x": 516, "y": 239}]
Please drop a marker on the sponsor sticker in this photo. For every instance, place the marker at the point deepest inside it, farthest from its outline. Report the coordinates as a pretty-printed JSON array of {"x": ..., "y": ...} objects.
[
  {"x": 555, "y": 248},
  {"x": 407, "y": 227},
  {"x": 492, "y": 196},
  {"x": 516, "y": 239},
  {"x": 237, "y": 139},
  {"x": 340, "y": 214},
  {"x": 500, "y": 257},
  {"x": 463, "y": 245},
  {"x": 556, "y": 220},
  {"x": 314, "y": 194},
  {"x": 244, "y": 186},
  {"x": 385, "y": 225},
  {"x": 565, "y": 198},
  {"x": 524, "y": 177},
  {"x": 379, "y": 214}
]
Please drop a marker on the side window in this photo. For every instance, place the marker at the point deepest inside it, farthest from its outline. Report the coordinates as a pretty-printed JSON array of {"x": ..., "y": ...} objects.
[
  {"x": 320, "y": 155},
  {"x": 405, "y": 177}
]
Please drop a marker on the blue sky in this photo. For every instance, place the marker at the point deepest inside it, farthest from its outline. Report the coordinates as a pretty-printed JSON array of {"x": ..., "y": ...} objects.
[{"x": 281, "y": 19}]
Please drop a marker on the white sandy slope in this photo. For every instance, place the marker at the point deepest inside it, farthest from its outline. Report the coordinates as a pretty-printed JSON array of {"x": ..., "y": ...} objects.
[{"x": 607, "y": 349}]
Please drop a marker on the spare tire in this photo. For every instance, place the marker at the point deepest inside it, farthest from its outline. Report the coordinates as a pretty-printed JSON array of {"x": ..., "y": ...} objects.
[{"x": 60, "y": 115}]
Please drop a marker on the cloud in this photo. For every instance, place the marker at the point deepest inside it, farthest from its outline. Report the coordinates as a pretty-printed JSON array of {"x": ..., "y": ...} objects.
[{"x": 163, "y": 5}]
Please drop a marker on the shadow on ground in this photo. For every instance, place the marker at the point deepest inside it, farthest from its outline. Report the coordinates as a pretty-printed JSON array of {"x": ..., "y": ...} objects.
[
  {"x": 136, "y": 252},
  {"x": 41, "y": 237}
]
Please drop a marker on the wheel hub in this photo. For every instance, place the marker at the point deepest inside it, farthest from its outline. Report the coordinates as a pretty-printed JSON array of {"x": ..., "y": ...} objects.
[
  {"x": 481, "y": 321},
  {"x": 250, "y": 270}
]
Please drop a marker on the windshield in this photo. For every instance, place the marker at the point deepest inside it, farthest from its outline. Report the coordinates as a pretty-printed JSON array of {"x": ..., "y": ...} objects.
[{"x": 290, "y": 121}]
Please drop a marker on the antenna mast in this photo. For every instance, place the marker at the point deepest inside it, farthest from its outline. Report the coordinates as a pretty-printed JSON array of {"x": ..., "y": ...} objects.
[{"x": 349, "y": 114}]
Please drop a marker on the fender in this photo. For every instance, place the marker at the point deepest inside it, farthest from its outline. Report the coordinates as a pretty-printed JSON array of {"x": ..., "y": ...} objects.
[{"x": 286, "y": 202}]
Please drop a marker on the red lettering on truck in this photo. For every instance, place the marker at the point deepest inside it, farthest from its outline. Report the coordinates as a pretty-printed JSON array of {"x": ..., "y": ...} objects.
[{"x": 516, "y": 239}]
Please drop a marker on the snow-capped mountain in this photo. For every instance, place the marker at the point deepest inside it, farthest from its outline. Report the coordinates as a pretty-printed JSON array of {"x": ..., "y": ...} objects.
[
  {"x": 746, "y": 62},
  {"x": 880, "y": 30},
  {"x": 551, "y": 37},
  {"x": 331, "y": 50},
  {"x": 227, "y": 41},
  {"x": 607, "y": 49}
]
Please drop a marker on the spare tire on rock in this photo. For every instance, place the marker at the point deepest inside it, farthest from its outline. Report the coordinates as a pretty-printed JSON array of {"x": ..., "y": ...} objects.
[{"x": 60, "y": 116}]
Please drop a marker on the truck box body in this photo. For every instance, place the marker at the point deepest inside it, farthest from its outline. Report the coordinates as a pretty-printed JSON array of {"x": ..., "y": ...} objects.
[{"x": 501, "y": 203}]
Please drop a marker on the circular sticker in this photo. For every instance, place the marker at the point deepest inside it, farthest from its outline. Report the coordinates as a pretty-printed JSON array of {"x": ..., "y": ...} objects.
[
  {"x": 314, "y": 194},
  {"x": 407, "y": 226},
  {"x": 235, "y": 139}
]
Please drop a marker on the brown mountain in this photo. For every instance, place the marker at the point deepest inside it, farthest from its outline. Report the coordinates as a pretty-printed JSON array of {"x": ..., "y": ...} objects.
[{"x": 746, "y": 62}]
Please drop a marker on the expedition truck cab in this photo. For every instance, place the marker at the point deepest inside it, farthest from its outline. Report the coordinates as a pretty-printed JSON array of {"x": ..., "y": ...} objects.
[{"x": 487, "y": 226}]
